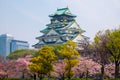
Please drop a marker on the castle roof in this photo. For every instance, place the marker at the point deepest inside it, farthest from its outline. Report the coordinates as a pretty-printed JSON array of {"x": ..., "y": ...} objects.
[
  {"x": 62, "y": 11},
  {"x": 57, "y": 28}
]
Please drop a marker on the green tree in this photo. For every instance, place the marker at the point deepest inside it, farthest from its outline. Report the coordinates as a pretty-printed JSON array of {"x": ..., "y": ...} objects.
[
  {"x": 43, "y": 63},
  {"x": 58, "y": 47},
  {"x": 20, "y": 54},
  {"x": 112, "y": 46},
  {"x": 70, "y": 55}
]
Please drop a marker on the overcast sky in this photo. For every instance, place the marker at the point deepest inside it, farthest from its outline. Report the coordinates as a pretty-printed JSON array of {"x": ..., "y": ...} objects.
[{"x": 25, "y": 18}]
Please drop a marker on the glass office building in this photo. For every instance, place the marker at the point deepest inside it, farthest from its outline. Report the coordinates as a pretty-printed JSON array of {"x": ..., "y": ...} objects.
[
  {"x": 8, "y": 44},
  {"x": 17, "y": 44}
]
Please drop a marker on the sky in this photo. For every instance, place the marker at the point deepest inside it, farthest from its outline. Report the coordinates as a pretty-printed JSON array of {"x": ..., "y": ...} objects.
[{"x": 25, "y": 18}]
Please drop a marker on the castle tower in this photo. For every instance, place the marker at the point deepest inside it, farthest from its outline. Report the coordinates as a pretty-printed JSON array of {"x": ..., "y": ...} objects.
[{"x": 63, "y": 27}]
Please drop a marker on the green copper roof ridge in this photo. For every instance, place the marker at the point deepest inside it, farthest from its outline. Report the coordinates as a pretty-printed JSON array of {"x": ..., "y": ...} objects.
[
  {"x": 56, "y": 12},
  {"x": 62, "y": 8},
  {"x": 45, "y": 30},
  {"x": 73, "y": 15},
  {"x": 62, "y": 11},
  {"x": 48, "y": 28}
]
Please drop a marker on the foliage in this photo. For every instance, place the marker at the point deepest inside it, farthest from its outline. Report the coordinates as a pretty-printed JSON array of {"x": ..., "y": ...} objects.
[
  {"x": 69, "y": 51},
  {"x": 100, "y": 49},
  {"x": 59, "y": 70},
  {"x": 20, "y": 54},
  {"x": 86, "y": 68},
  {"x": 43, "y": 63},
  {"x": 110, "y": 43},
  {"x": 70, "y": 55},
  {"x": 55, "y": 79},
  {"x": 57, "y": 47},
  {"x": 14, "y": 68},
  {"x": 22, "y": 67},
  {"x": 110, "y": 70},
  {"x": 114, "y": 48},
  {"x": 16, "y": 79},
  {"x": 113, "y": 44}
]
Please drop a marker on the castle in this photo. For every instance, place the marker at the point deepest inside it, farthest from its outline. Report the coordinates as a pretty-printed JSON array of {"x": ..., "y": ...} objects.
[{"x": 63, "y": 27}]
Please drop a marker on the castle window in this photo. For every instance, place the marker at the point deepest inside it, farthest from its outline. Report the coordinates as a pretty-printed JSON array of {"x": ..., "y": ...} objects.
[{"x": 70, "y": 32}]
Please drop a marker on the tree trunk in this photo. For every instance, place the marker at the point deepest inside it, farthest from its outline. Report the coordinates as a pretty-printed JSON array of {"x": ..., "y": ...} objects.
[
  {"x": 102, "y": 72},
  {"x": 34, "y": 76},
  {"x": 69, "y": 70},
  {"x": 116, "y": 70},
  {"x": 69, "y": 74},
  {"x": 86, "y": 78},
  {"x": 23, "y": 75},
  {"x": 63, "y": 77},
  {"x": 40, "y": 76},
  {"x": 49, "y": 75}
]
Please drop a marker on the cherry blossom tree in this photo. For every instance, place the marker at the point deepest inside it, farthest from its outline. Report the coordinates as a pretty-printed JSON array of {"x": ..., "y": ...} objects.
[
  {"x": 2, "y": 72},
  {"x": 110, "y": 70},
  {"x": 8, "y": 68},
  {"x": 86, "y": 67},
  {"x": 22, "y": 67},
  {"x": 59, "y": 71},
  {"x": 14, "y": 68}
]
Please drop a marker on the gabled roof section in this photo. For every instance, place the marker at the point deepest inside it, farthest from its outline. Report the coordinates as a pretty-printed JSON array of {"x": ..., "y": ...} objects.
[
  {"x": 61, "y": 11},
  {"x": 41, "y": 42},
  {"x": 74, "y": 25},
  {"x": 77, "y": 38},
  {"x": 52, "y": 32},
  {"x": 59, "y": 41}
]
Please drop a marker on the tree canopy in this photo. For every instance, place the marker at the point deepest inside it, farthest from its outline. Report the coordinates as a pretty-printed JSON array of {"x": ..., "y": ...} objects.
[
  {"x": 70, "y": 55},
  {"x": 43, "y": 63},
  {"x": 20, "y": 53},
  {"x": 109, "y": 42}
]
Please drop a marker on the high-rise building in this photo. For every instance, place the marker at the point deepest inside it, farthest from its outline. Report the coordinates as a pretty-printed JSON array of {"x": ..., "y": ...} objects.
[
  {"x": 8, "y": 44},
  {"x": 63, "y": 27},
  {"x": 5, "y": 41}
]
